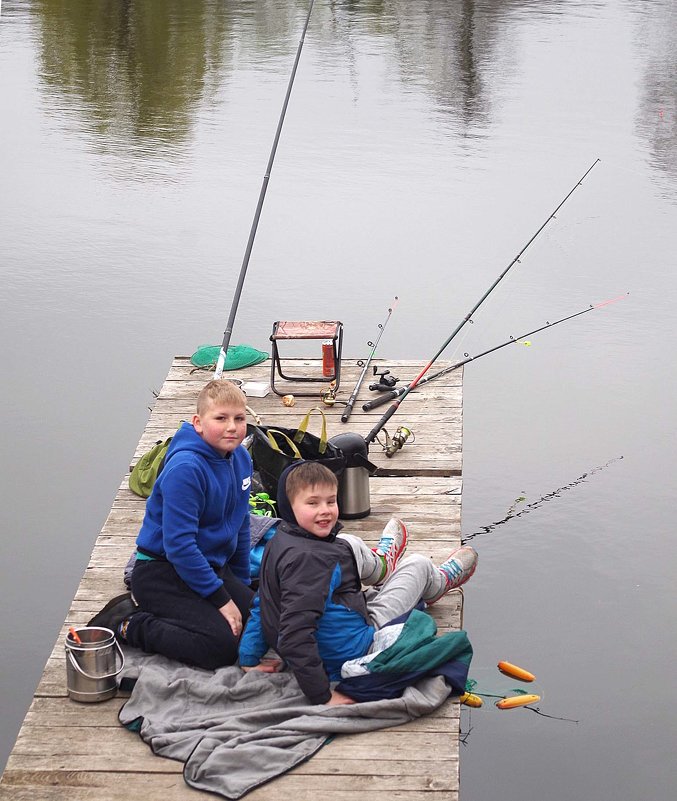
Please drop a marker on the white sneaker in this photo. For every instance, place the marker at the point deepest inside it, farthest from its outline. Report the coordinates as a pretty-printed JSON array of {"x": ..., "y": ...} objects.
[
  {"x": 456, "y": 570},
  {"x": 391, "y": 546}
]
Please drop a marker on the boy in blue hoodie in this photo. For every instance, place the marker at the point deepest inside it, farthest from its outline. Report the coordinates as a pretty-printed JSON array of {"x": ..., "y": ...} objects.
[{"x": 190, "y": 584}]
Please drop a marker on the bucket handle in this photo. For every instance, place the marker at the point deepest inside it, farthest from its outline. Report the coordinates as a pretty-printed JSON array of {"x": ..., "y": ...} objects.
[{"x": 106, "y": 675}]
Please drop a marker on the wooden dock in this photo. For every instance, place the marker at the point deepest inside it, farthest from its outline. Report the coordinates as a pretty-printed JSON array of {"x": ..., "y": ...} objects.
[{"x": 80, "y": 752}]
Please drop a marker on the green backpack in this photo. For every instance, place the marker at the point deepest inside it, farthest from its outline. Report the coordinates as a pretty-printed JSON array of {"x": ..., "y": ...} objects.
[{"x": 147, "y": 469}]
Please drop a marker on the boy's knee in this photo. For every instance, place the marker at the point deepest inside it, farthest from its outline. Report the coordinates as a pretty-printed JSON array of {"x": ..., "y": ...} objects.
[
  {"x": 414, "y": 559},
  {"x": 219, "y": 654}
]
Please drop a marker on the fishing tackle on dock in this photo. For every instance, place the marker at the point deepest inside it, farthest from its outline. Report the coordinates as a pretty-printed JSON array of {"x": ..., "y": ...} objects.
[
  {"x": 397, "y": 441},
  {"x": 329, "y": 395},
  {"x": 382, "y": 399},
  {"x": 365, "y": 364},
  {"x": 386, "y": 381},
  {"x": 371, "y": 436},
  {"x": 259, "y": 206}
]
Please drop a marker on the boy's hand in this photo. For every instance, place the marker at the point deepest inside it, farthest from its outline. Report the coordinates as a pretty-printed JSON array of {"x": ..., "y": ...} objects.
[
  {"x": 339, "y": 698},
  {"x": 233, "y": 617},
  {"x": 267, "y": 665}
]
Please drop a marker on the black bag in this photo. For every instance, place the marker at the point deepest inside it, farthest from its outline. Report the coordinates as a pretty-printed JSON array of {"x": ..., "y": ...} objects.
[{"x": 273, "y": 448}]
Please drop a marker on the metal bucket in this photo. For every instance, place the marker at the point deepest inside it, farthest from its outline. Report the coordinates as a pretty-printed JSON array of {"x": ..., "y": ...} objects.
[{"x": 91, "y": 664}]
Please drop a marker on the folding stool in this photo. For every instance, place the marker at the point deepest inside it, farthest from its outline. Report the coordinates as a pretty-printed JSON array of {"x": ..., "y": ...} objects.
[{"x": 325, "y": 330}]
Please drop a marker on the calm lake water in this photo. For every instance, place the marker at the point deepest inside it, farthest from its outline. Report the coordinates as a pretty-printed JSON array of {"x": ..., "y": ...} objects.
[{"x": 425, "y": 143}]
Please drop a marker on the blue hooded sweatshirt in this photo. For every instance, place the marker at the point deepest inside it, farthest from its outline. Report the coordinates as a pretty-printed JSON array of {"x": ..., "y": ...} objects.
[{"x": 197, "y": 516}]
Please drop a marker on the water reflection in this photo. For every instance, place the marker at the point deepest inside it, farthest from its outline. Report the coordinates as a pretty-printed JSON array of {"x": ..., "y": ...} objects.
[
  {"x": 435, "y": 50},
  {"x": 138, "y": 71},
  {"x": 657, "y": 108},
  {"x": 134, "y": 71}
]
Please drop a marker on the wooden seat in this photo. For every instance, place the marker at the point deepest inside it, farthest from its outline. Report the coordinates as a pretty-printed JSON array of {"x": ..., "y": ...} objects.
[{"x": 329, "y": 331}]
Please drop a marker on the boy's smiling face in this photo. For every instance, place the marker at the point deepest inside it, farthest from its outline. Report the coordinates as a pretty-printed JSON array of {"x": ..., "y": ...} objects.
[
  {"x": 223, "y": 426},
  {"x": 316, "y": 510}
]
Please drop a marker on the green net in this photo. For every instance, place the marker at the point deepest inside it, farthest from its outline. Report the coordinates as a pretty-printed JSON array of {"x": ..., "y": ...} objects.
[{"x": 237, "y": 357}]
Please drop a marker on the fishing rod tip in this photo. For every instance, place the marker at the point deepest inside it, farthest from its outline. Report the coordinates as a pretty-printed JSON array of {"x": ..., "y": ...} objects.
[{"x": 607, "y": 302}]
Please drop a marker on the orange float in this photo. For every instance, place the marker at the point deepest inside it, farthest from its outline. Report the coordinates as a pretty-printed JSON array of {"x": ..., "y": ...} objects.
[{"x": 515, "y": 672}]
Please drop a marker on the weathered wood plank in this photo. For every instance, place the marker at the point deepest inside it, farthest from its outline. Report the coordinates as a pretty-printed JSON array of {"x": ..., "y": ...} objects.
[
  {"x": 405, "y": 369},
  {"x": 425, "y": 778},
  {"x": 126, "y": 502},
  {"x": 163, "y": 787},
  {"x": 437, "y": 517},
  {"x": 64, "y": 713},
  {"x": 51, "y": 746}
]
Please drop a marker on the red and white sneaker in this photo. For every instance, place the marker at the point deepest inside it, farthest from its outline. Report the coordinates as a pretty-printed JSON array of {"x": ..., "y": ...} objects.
[
  {"x": 456, "y": 570},
  {"x": 391, "y": 546}
]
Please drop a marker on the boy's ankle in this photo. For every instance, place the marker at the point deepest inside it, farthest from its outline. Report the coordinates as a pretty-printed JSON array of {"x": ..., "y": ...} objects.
[{"x": 384, "y": 566}]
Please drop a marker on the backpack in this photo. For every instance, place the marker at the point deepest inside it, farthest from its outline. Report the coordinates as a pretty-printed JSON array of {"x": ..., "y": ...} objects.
[{"x": 148, "y": 468}]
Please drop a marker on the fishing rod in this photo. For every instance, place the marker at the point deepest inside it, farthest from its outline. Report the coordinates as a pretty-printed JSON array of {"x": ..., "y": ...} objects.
[
  {"x": 371, "y": 436},
  {"x": 395, "y": 393},
  {"x": 365, "y": 365},
  {"x": 250, "y": 243}
]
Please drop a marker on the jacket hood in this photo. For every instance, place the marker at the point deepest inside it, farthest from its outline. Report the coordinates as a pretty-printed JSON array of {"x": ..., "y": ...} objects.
[
  {"x": 187, "y": 439},
  {"x": 284, "y": 509}
]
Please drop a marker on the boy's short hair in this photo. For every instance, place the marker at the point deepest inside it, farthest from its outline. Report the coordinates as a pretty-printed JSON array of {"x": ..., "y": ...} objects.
[
  {"x": 308, "y": 474},
  {"x": 220, "y": 391}
]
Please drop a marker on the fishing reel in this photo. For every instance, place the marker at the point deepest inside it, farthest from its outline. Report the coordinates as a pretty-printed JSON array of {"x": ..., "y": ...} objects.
[
  {"x": 397, "y": 441},
  {"x": 385, "y": 382},
  {"x": 329, "y": 395}
]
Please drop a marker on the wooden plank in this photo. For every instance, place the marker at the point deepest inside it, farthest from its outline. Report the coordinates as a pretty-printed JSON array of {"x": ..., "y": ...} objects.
[
  {"x": 424, "y": 779},
  {"x": 125, "y": 500},
  {"x": 62, "y": 713},
  {"x": 404, "y": 369},
  {"x": 48, "y": 747},
  {"x": 116, "y": 787}
]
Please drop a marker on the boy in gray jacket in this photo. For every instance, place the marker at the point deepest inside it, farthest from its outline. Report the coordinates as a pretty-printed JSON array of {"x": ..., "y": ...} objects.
[{"x": 310, "y": 607}]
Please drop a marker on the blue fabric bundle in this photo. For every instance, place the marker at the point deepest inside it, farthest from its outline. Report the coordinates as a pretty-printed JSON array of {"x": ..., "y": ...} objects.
[{"x": 417, "y": 652}]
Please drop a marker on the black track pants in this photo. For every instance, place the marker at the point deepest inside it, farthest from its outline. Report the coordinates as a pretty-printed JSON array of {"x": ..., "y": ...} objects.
[{"x": 176, "y": 622}]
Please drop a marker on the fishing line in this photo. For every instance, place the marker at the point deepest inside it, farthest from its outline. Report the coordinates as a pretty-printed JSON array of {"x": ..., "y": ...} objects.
[
  {"x": 371, "y": 436},
  {"x": 471, "y": 687},
  {"x": 257, "y": 214},
  {"x": 622, "y": 168},
  {"x": 537, "y": 710},
  {"x": 464, "y": 735},
  {"x": 512, "y": 515}
]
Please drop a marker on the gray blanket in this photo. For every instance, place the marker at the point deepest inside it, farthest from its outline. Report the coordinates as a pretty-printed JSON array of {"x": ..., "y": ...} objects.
[{"x": 236, "y": 730}]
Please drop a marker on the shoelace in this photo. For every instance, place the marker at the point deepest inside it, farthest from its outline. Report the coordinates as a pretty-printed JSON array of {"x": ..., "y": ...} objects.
[{"x": 452, "y": 569}]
